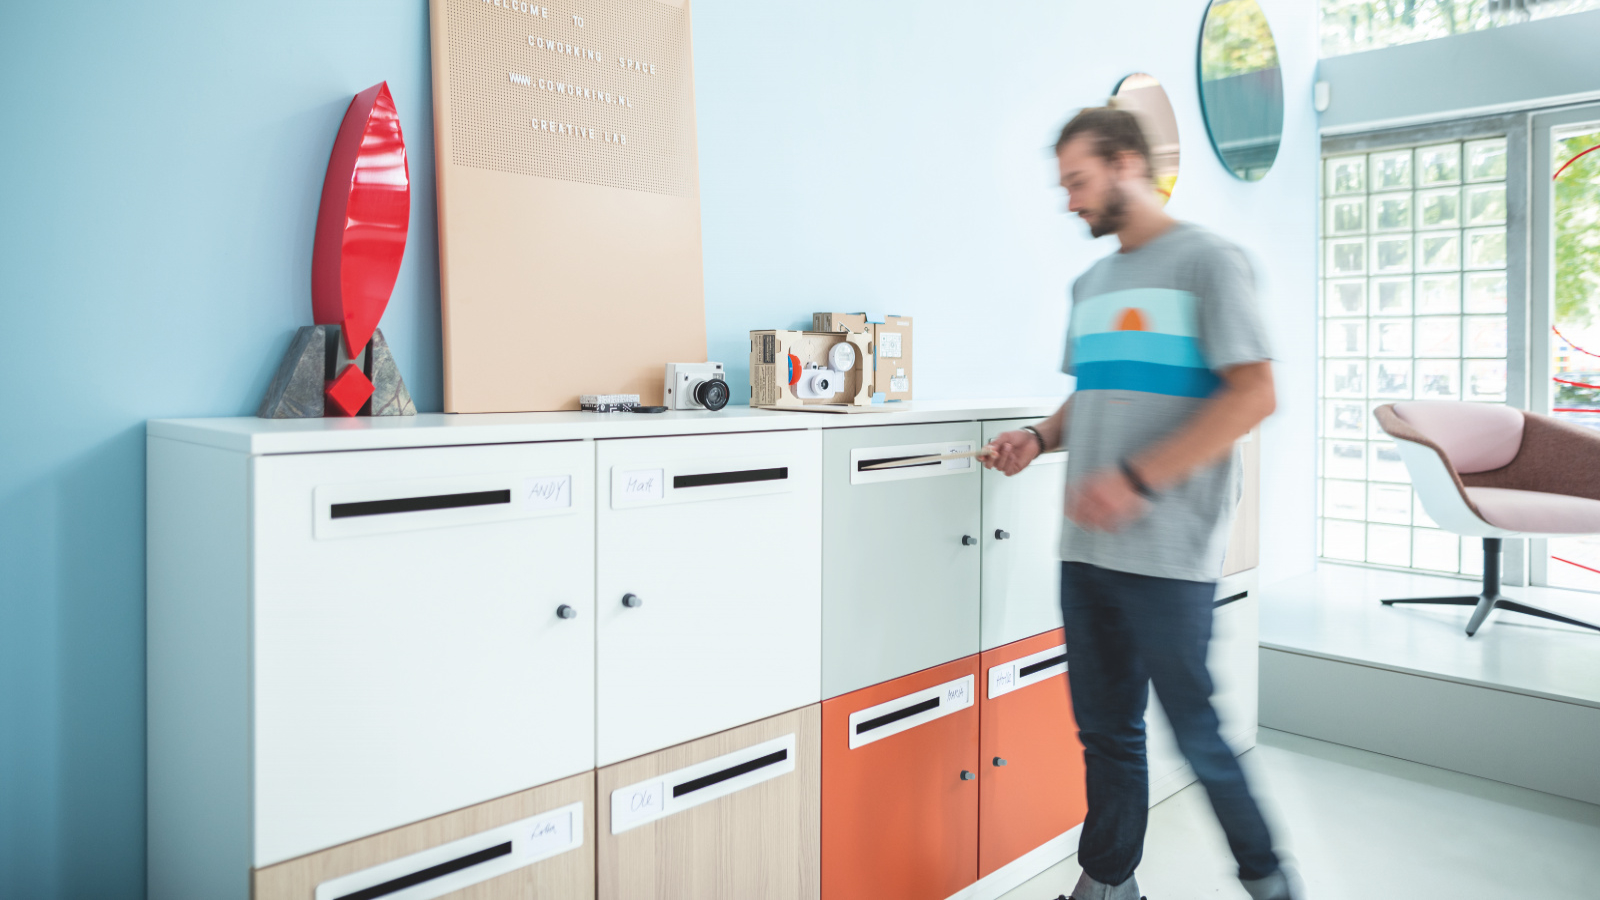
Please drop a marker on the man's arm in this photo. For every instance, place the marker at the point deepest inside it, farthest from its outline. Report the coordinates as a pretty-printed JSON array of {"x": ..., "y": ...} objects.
[
  {"x": 1013, "y": 450},
  {"x": 1107, "y": 500}
]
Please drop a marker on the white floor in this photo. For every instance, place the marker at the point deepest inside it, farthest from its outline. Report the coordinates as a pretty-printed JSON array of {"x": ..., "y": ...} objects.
[
  {"x": 1334, "y": 612},
  {"x": 1360, "y": 826}
]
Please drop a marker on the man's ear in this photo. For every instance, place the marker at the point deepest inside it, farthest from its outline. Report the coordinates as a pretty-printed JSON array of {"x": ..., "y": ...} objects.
[{"x": 1130, "y": 166}]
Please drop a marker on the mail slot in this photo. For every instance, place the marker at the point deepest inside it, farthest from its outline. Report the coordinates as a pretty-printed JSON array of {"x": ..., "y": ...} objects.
[{"x": 899, "y": 787}]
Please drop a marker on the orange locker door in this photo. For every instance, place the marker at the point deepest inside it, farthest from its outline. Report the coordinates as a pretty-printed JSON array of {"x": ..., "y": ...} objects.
[
  {"x": 1032, "y": 787},
  {"x": 900, "y": 788}
]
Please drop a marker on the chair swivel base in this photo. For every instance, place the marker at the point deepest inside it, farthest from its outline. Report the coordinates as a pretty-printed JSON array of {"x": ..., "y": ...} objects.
[
  {"x": 1486, "y": 603},
  {"x": 1491, "y": 599}
]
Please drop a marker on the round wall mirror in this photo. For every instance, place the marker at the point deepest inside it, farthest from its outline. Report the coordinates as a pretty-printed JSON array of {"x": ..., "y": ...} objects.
[
  {"x": 1142, "y": 95},
  {"x": 1241, "y": 87}
]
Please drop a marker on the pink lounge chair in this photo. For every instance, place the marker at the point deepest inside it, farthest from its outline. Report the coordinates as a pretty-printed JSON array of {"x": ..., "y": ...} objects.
[{"x": 1494, "y": 472}]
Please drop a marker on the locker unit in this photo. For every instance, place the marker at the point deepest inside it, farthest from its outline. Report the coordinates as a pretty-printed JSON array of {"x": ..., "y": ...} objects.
[
  {"x": 727, "y": 817},
  {"x": 1031, "y": 788},
  {"x": 1021, "y": 544},
  {"x": 533, "y": 844},
  {"x": 708, "y": 585},
  {"x": 900, "y": 560},
  {"x": 900, "y": 787},
  {"x": 417, "y": 620}
]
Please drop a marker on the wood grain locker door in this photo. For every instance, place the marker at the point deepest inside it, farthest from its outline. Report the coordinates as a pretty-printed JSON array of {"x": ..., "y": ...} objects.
[
  {"x": 734, "y": 816},
  {"x": 900, "y": 789},
  {"x": 1022, "y": 544},
  {"x": 411, "y": 652},
  {"x": 718, "y": 540},
  {"x": 1032, "y": 784},
  {"x": 536, "y": 844},
  {"x": 900, "y": 562}
]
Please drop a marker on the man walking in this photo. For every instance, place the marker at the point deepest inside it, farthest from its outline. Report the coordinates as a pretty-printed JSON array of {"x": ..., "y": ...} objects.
[{"x": 1172, "y": 366}]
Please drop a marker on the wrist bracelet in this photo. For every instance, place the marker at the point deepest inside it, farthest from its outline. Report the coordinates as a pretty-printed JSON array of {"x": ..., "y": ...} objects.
[
  {"x": 1139, "y": 485},
  {"x": 1036, "y": 436}
]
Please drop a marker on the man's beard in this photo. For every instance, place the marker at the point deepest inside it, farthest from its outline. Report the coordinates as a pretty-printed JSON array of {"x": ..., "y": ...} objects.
[{"x": 1110, "y": 218}]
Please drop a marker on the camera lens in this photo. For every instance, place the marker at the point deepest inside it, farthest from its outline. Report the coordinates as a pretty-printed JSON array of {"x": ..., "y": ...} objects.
[
  {"x": 713, "y": 395},
  {"x": 823, "y": 385}
]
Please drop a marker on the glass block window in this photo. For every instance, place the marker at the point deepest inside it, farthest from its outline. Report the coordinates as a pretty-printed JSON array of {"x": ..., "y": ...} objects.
[{"x": 1412, "y": 306}]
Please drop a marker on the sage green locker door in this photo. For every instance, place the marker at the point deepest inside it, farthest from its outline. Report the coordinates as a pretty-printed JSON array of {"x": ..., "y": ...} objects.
[
  {"x": 900, "y": 553},
  {"x": 1021, "y": 544}
]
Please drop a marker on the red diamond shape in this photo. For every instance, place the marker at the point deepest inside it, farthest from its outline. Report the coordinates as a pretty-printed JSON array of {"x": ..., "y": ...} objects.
[{"x": 348, "y": 393}]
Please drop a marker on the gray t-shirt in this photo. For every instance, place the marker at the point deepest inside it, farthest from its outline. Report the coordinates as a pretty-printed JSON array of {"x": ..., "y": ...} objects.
[{"x": 1150, "y": 330}]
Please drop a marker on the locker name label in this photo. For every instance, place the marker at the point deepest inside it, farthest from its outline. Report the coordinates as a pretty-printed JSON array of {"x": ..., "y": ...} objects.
[
  {"x": 548, "y": 492},
  {"x": 641, "y": 484}
]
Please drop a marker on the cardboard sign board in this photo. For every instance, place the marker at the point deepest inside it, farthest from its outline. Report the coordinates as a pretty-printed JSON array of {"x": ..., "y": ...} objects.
[{"x": 569, "y": 200}]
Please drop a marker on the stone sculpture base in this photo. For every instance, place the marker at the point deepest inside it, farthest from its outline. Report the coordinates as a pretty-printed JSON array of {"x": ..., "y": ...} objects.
[{"x": 315, "y": 357}]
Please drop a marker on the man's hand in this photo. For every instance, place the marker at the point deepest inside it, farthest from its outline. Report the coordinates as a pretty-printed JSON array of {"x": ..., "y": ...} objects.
[
  {"x": 1012, "y": 451},
  {"x": 1104, "y": 501}
]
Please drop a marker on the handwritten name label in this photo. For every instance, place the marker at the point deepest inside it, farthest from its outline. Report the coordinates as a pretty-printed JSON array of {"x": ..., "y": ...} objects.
[
  {"x": 956, "y": 694},
  {"x": 637, "y": 803},
  {"x": 554, "y": 833},
  {"x": 642, "y": 484},
  {"x": 1002, "y": 679},
  {"x": 547, "y": 492}
]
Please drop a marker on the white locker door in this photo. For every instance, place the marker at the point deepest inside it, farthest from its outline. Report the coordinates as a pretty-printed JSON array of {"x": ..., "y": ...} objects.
[
  {"x": 715, "y": 542},
  {"x": 424, "y": 634},
  {"x": 1021, "y": 545}
]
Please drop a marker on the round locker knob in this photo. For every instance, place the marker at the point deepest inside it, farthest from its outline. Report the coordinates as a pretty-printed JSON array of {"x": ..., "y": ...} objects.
[
  {"x": 968, "y": 776},
  {"x": 632, "y": 601},
  {"x": 1001, "y": 534},
  {"x": 998, "y": 761},
  {"x": 566, "y": 612},
  {"x": 968, "y": 540}
]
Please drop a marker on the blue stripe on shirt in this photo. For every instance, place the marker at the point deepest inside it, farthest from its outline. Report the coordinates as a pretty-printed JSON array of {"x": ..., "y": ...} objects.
[{"x": 1150, "y": 378}]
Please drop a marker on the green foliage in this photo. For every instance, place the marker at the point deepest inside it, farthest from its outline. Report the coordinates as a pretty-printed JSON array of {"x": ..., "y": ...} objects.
[
  {"x": 1577, "y": 233},
  {"x": 1352, "y": 25},
  {"x": 1237, "y": 40}
]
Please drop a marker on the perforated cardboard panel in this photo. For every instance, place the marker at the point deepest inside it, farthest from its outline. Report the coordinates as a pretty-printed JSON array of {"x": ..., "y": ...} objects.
[{"x": 569, "y": 200}]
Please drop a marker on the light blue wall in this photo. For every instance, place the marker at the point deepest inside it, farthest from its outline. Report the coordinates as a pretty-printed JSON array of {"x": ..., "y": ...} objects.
[
  {"x": 162, "y": 163},
  {"x": 1477, "y": 72}
]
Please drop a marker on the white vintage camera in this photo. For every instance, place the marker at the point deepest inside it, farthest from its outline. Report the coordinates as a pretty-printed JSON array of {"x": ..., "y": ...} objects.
[
  {"x": 822, "y": 382},
  {"x": 695, "y": 386}
]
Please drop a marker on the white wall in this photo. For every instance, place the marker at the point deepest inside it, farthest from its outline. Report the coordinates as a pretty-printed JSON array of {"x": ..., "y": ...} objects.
[{"x": 894, "y": 156}]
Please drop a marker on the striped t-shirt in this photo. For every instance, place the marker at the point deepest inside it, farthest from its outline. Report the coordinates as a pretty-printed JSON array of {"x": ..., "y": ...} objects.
[{"x": 1150, "y": 330}]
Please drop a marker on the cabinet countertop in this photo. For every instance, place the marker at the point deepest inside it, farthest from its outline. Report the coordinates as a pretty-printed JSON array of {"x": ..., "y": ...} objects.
[{"x": 248, "y": 434}]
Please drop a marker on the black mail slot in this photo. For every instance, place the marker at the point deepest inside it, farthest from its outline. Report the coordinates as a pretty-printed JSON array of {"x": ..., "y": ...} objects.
[
  {"x": 744, "y": 768},
  {"x": 396, "y": 885},
  {"x": 419, "y": 504},
  {"x": 865, "y": 464},
  {"x": 744, "y": 476},
  {"x": 1041, "y": 665},
  {"x": 897, "y": 715},
  {"x": 1226, "y": 600}
]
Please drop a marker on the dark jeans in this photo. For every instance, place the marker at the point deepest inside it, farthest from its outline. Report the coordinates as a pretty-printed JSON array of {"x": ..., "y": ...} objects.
[{"x": 1125, "y": 632}]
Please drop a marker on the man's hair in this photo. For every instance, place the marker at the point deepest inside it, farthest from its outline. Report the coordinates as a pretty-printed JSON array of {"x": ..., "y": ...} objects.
[{"x": 1115, "y": 131}]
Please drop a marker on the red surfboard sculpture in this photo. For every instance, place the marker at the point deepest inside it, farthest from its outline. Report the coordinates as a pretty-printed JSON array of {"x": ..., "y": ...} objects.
[
  {"x": 361, "y": 226},
  {"x": 355, "y": 258}
]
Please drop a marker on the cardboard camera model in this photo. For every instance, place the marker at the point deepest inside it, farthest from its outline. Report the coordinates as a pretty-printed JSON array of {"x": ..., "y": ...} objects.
[
  {"x": 809, "y": 370},
  {"x": 695, "y": 386}
]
